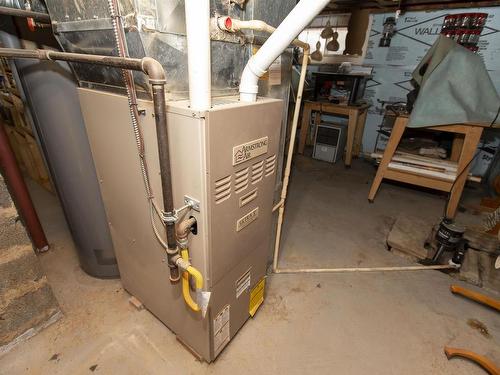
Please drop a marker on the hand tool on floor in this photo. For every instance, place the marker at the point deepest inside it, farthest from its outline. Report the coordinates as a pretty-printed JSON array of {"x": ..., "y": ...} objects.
[
  {"x": 449, "y": 237},
  {"x": 484, "y": 362},
  {"x": 475, "y": 296}
]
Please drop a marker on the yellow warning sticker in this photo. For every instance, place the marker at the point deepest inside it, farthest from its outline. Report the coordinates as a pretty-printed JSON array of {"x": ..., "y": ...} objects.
[{"x": 257, "y": 296}]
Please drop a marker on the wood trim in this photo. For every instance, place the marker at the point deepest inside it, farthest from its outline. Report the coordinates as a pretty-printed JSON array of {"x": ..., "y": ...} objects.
[{"x": 417, "y": 180}]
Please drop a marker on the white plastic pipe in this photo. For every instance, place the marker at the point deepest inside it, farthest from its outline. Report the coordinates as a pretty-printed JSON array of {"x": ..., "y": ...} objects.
[
  {"x": 198, "y": 47},
  {"x": 366, "y": 269},
  {"x": 288, "y": 165},
  {"x": 301, "y": 16}
]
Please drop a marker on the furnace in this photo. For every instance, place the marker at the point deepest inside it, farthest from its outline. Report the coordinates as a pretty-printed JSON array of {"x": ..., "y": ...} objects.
[{"x": 223, "y": 159}]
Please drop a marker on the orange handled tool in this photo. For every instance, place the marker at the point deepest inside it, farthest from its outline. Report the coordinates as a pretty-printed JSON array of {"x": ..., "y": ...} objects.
[
  {"x": 475, "y": 296},
  {"x": 479, "y": 359}
]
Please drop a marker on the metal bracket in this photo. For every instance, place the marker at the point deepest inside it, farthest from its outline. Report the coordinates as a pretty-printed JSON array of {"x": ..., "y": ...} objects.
[
  {"x": 169, "y": 217},
  {"x": 173, "y": 217},
  {"x": 193, "y": 203}
]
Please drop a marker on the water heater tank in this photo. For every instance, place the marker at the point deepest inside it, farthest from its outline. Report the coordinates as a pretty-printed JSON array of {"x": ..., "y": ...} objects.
[{"x": 50, "y": 91}]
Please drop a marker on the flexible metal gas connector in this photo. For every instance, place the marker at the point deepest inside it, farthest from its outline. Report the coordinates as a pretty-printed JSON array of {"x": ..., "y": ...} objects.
[{"x": 187, "y": 269}]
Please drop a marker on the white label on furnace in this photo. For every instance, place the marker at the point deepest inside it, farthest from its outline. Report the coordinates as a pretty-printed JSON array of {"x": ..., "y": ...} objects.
[
  {"x": 249, "y": 150},
  {"x": 247, "y": 219},
  {"x": 221, "y": 329}
]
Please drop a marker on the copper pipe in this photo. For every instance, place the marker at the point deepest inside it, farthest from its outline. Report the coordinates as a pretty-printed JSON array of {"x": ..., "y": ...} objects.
[{"x": 19, "y": 191}]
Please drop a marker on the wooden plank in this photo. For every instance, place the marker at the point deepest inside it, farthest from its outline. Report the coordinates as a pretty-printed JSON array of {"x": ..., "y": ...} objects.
[
  {"x": 134, "y": 301},
  {"x": 421, "y": 162},
  {"x": 26, "y": 158},
  {"x": 15, "y": 146},
  {"x": 392, "y": 144},
  {"x": 422, "y": 172},
  {"x": 351, "y": 131},
  {"x": 418, "y": 180},
  {"x": 408, "y": 235},
  {"x": 471, "y": 141},
  {"x": 39, "y": 162},
  {"x": 452, "y": 164},
  {"x": 456, "y": 148},
  {"x": 358, "y": 136}
]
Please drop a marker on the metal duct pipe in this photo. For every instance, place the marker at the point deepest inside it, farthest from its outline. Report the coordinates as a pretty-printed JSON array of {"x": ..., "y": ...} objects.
[
  {"x": 300, "y": 16},
  {"x": 198, "y": 46},
  {"x": 157, "y": 79},
  {"x": 20, "y": 194},
  {"x": 37, "y": 16}
]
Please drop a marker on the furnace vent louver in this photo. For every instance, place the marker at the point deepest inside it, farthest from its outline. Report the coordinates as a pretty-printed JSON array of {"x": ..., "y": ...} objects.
[
  {"x": 270, "y": 165},
  {"x": 241, "y": 180},
  {"x": 222, "y": 189},
  {"x": 257, "y": 172}
]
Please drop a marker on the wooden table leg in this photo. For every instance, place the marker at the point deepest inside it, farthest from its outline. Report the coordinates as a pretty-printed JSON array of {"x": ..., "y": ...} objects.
[
  {"x": 390, "y": 149},
  {"x": 304, "y": 127},
  {"x": 470, "y": 143},
  {"x": 351, "y": 131},
  {"x": 456, "y": 147},
  {"x": 358, "y": 136}
]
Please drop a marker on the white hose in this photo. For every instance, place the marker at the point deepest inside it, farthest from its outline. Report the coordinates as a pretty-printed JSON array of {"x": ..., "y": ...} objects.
[{"x": 366, "y": 269}]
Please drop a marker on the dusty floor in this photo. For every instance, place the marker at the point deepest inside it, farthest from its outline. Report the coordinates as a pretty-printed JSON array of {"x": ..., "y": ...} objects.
[{"x": 385, "y": 323}]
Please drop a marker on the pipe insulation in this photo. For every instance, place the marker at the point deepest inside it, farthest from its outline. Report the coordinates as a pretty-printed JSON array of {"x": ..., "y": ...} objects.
[
  {"x": 300, "y": 16},
  {"x": 198, "y": 48}
]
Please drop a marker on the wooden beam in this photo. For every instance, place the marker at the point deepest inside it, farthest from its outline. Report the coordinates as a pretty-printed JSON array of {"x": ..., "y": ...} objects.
[{"x": 376, "y": 7}]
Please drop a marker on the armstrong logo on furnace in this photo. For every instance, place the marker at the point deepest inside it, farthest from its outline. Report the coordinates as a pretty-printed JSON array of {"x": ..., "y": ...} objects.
[{"x": 249, "y": 150}]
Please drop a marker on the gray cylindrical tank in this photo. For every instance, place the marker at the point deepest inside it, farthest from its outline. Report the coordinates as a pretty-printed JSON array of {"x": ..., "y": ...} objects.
[{"x": 50, "y": 90}]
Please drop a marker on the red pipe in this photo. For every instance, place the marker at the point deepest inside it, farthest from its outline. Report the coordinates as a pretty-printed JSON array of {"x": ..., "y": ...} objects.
[{"x": 19, "y": 191}]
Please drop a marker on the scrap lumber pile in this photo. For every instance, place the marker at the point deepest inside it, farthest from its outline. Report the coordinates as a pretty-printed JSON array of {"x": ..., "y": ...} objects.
[{"x": 445, "y": 170}]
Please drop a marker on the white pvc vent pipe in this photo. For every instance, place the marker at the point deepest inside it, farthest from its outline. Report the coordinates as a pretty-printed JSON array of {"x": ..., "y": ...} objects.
[
  {"x": 300, "y": 16},
  {"x": 198, "y": 47}
]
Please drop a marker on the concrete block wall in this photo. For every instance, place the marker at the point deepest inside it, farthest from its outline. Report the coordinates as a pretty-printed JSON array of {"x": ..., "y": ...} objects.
[{"x": 27, "y": 303}]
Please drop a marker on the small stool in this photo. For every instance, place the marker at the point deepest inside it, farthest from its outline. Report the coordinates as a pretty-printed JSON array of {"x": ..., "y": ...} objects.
[{"x": 462, "y": 153}]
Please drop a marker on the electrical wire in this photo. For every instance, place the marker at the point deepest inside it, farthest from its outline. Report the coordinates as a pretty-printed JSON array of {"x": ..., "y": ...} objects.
[
  {"x": 128, "y": 79},
  {"x": 467, "y": 166}
]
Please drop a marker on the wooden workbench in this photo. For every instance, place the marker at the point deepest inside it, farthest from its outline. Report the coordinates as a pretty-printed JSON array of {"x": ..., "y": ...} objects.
[
  {"x": 355, "y": 127},
  {"x": 464, "y": 147}
]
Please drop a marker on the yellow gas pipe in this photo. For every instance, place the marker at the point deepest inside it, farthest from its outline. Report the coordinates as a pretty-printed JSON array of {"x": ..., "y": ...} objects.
[
  {"x": 183, "y": 263},
  {"x": 193, "y": 272}
]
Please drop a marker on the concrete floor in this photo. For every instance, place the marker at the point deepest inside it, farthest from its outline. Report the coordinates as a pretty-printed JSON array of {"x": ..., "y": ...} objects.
[{"x": 383, "y": 323}]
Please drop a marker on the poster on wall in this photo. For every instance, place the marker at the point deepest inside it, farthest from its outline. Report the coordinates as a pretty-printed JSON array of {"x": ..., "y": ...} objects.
[
  {"x": 394, "y": 55},
  {"x": 416, "y": 32}
]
